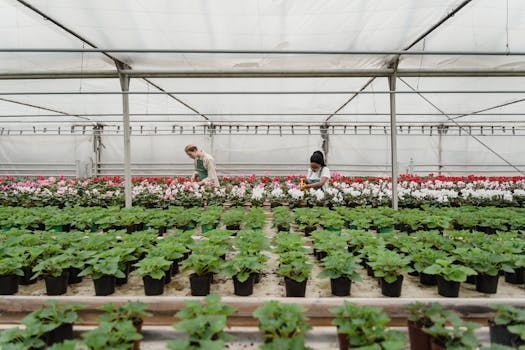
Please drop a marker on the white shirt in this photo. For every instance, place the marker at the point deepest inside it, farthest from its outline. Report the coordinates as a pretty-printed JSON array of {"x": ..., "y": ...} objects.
[{"x": 317, "y": 175}]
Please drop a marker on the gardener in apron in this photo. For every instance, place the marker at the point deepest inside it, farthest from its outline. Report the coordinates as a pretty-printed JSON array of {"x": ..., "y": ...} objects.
[
  {"x": 204, "y": 165},
  {"x": 318, "y": 175}
]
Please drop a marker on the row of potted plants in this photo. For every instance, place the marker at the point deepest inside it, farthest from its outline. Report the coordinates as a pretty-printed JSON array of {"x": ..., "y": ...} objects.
[{"x": 283, "y": 326}]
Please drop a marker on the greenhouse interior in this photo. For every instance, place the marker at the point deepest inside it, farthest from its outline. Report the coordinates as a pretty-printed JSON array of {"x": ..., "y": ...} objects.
[{"x": 250, "y": 174}]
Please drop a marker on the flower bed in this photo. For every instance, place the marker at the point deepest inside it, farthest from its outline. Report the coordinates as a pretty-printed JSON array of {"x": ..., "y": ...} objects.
[{"x": 414, "y": 191}]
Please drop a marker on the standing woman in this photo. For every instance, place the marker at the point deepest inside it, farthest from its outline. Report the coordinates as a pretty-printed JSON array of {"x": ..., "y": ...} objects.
[
  {"x": 318, "y": 175},
  {"x": 204, "y": 165}
]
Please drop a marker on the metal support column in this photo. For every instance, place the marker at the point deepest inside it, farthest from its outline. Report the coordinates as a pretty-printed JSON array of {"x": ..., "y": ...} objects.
[
  {"x": 393, "y": 134},
  {"x": 124, "y": 85},
  {"x": 440, "y": 149}
]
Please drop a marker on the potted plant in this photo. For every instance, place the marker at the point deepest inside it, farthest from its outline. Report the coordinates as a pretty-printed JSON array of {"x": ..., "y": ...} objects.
[
  {"x": 282, "y": 321},
  {"x": 384, "y": 224},
  {"x": 420, "y": 317},
  {"x": 506, "y": 316},
  {"x": 295, "y": 269},
  {"x": 488, "y": 266},
  {"x": 328, "y": 241},
  {"x": 243, "y": 269},
  {"x": 153, "y": 271},
  {"x": 55, "y": 271},
  {"x": 449, "y": 276},
  {"x": 341, "y": 268},
  {"x": 365, "y": 327},
  {"x": 423, "y": 258},
  {"x": 331, "y": 221},
  {"x": 281, "y": 219},
  {"x": 170, "y": 250},
  {"x": 254, "y": 219},
  {"x": 134, "y": 311},
  {"x": 389, "y": 266},
  {"x": 233, "y": 218},
  {"x": 29, "y": 255},
  {"x": 449, "y": 331},
  {"x": 10, "y": 270},
  {"x": 204, "y": 323},
  {"x": 112, "y": 335},
  {"x": 203, "y": 267},
  {"x": 78, "y": 258},
  {"x": 103, "y": 269},
  {"x": 517, "y": 262},
  {"x": 53, "y": 323},
  {"x": 21, "y": 339},
  {"x": 208, "y": 221}
]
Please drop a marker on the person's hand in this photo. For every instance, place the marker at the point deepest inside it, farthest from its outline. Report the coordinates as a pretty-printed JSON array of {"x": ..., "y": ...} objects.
[{"x": 302, "y": 186}]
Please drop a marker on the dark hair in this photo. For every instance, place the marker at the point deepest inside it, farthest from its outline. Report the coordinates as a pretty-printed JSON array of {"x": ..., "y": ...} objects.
[{"x": 317, "y": 157}]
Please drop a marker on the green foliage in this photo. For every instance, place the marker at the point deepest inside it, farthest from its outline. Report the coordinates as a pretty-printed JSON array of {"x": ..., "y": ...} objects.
[
  {"x": 242, "y": 266},
  {"x": 277, "y": 320},
  {"x": 421, "y": 314},
  {"x": 295, "y": 266},
  {"x": 100, "y": 265},
  {"x": 50, "y": 317},
  {"x": 390, "y": 265},
  {"x": 452, "y": 332},
  {"x": 255, "y": 219},
  {"x": 233, "y": 216},
  {"x": 485, "y": 262},
  {"x": 281, "y": 218},
  {"x": 154, "y": 267},
  {"x": 508, "y": 315},
  {"x": 119, "y": 335},
  {"x": 366, "y": 327},
  {"x": 53, "y": 266},
  {"x": 204, "y": 323},
  {"x": 340, "y": 264},
  {"x": 450, "y": 271},
  {"x": 134, "y": 311},
  {"x": 10, "y": 266},
  {"x": 202, "y": 264}
]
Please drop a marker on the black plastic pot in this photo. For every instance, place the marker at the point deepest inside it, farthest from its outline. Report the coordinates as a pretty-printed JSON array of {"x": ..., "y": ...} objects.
[
  {"x": 294, "y": 288},
  {"x": 427, "y": 280},
  {"x": 283, "y": 228},
  {"x": 233, "y": 227},
  {"x": 57, "y": 285},
  {"x": 392, "y": 289},
  {"x": 515, "y": 277},
  {"x": 419, "y": 340},
  {"x": 487, "y": 284},
  {"x": 308, "y": 230},
  {"x": 501, "y": 335},
  {"x": 471, "y": 279},
  {"x": 340, "y": 286},
  {"x": 200, "y": 285},
  {"x": 321, "y": 255},
  {"x": 449, "y": 289},
  {"x": 26, "y": 278},
  {"x": 369, "y": 271},
  {"x": 167, "y": 276},
  {"x": 153, "y": 286},
  {"x": 175, "y": 268},
  {"x": 123, "y": 280},
  {"x": 8, "y": 285},
  {"x": 257, "y": 277},
  {"x": 344, "y": 342},
  {"x": 59, "y": 334},
  {"x": 104, "y": 285},
  {"x": 245, "y": 288},
  {"x": 161, "y": 231},
  {"x": 73, "y": 275}
]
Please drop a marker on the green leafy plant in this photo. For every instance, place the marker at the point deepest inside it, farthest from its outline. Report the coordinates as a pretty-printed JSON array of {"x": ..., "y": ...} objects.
[
  {"x": 390, "y": 265},
  {"x": 118, "y": 335},
  {"x": 201, "y": 264},
  {"x": 242, "y": 266},
  {"x": 295, "y": 266},
  {"x": 10, "y": 266},
  {"x": 366, "y": 327},
  {"x": 451, "y": 332},
  {"x": 450, "y": 271},
  {"x": 340, "y": 264},
  {"x": 53, "y": 266},
  {"x": 277, "y": 320},
  {"x": 50, "y": 317},
  {"x": 507, "y": 315},
  {"x": 204, "y": 322},
  {"x": 233, "y": 217},
  {"x": 134, "y": 311},
  {"x": 485, "y": 262},
  {"x": 420, "y": 314},
  {"x": 425, "y": 257},
  {"x": 101, "y": 265},
  {"x": 154, "y": 267}
]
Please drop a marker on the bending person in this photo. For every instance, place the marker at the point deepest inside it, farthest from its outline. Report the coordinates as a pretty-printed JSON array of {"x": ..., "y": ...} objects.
[
  {"x": 204, "y": 165},
  {"x": 318, "y": 174}
]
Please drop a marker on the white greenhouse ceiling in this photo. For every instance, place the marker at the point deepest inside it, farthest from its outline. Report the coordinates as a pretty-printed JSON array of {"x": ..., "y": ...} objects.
[{"x": 255, "y": 25}]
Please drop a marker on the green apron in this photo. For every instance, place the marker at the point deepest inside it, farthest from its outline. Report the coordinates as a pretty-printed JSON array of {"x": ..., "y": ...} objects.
[{"x": 201, "y": 170}]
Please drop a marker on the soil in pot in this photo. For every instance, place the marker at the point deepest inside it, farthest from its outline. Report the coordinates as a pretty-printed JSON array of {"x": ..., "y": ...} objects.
[
  {"x": 392, "y": 289},
  {"x": 515, "y": 277},
  {"x": 153, "y": 286},
  {"x": 501, "y": 335},
  {"x": 341, "y": 286},
  {"x": 8, "y": 285},
  {"x": 294, "y": 288},
  {"x": 104, "y": 285},
  {"x": 487, "y": 284},
  {"x": 449, "y": 289},
  {"x": 427, "y": 280},
  {"x": 73, "y": 275},
  {"x": 245, "y": 288},
  {"x": 419, "y": 340},
  {"x": 200, "y": 285},
  {"x": 57, "y": 285}
]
